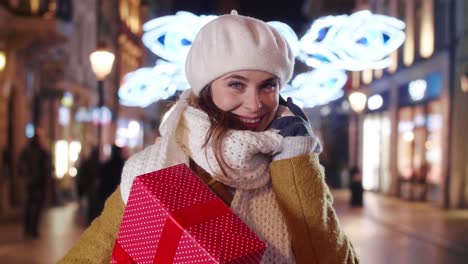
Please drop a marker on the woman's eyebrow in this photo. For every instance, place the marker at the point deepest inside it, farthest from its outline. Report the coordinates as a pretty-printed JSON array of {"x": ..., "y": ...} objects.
[
  {"x": 270, "y": 79},
  {"x": 234, "y": 76}
]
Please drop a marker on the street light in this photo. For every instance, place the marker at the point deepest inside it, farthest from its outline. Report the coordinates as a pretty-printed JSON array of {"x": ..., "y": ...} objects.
[
  {"x": 357, "y": 100},
  {"x": 101, "y": 63},
  {"x": 2, "y": 60}
]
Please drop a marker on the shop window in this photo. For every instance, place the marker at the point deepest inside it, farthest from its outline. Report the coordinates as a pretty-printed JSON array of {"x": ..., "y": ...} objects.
[
  {"x": 375, "y": 154},
  {"x": 419, "y": 160},
  {"x": 405, "y": 143},
  {"x": 433, "y": 144}
]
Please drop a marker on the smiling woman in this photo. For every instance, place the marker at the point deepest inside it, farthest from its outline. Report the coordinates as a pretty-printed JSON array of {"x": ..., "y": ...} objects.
[
  {"x": 253, "y": 149},
  {"x": 251, "y": 96}
]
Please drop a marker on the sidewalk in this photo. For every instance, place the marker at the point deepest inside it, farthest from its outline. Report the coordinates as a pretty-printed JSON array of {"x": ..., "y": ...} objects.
[
  {"x": 385, "y": 230},
  {"x": 59, "y": 231},
  {"x": 391, "y": 230}
]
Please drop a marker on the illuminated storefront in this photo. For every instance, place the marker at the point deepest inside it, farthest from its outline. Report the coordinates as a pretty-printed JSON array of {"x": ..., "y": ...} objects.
[
  {"x": 419, "y": 151},
  {"x": 420, "y": 121},
  {"x": 404, "y": 132},
  {"x": 376, "y": 144}
]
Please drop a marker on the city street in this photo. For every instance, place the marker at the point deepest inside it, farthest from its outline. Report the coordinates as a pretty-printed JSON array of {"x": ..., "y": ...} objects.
[
  {"x": 386, "y": 230},
  {"x": 382, "y": 86}
]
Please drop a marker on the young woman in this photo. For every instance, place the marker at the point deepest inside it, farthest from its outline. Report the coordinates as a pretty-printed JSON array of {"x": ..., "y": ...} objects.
[{"x": 254, "y": 150}]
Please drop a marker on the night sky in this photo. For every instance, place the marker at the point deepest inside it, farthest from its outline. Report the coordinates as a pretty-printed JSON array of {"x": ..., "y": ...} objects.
[
  {"x": 287, "y": 11},
  {"x": 267, "y": 10}
]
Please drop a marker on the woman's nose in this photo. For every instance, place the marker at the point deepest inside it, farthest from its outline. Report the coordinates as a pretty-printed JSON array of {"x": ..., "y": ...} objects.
[{"x": 253, "y": 102}]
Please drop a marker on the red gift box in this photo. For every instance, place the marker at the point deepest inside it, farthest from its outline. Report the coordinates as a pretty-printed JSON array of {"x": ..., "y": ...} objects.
[{"x": 173, "y": 217}]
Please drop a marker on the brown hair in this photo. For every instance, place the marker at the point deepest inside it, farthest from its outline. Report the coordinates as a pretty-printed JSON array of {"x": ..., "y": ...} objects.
[{"x": 220, "y": 122}]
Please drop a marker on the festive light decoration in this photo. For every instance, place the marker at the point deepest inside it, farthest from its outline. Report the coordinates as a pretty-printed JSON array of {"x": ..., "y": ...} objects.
[
  {"x": 140, "y": 88},
  {"x": 316, "y": 87},
  {"x": 289, "y": 34},
  {"x": 170, "y": 37},
  {"x": 147, "y": 85},
  {"x": 360, "y": 41}
]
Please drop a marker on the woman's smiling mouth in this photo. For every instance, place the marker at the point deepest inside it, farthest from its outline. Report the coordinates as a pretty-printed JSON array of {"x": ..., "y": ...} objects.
[
  {"x": 250, "y": 120},
  {"x": 250, "y": 123}
]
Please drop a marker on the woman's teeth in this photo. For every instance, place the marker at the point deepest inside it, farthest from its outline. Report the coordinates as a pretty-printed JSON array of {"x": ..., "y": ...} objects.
[{"x": 250, "y": 121}]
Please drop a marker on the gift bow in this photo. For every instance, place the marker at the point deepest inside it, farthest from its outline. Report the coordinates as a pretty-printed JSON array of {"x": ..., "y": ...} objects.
[{"x": 176, "y": 223}]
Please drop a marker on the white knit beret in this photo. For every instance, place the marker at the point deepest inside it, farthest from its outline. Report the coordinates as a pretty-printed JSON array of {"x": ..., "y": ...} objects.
[{"x": 233, "y": 43}]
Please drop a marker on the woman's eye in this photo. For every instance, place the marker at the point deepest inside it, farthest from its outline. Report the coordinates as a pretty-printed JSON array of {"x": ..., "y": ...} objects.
[
  {"x": 270, "y": 85},
  {"x": 235, "y": 85}
]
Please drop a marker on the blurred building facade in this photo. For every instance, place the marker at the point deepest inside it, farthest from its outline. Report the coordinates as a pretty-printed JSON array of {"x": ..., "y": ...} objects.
[
  {"x": 411, "y": 145},
  {"x": 32, "y": 36},
  {"x": 47, "y": 81},
  {"x": 458, "y": 167}
]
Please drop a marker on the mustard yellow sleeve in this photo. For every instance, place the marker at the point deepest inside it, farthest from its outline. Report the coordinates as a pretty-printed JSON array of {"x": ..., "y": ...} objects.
[
  {"x": 97, "y": 242},
  {"x": 306, "y": 203}
]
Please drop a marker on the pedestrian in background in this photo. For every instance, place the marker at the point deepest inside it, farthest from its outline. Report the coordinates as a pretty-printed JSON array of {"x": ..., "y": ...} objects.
[
  {"x": 87, "y": 183},
  {"x": 355, "y": 186},
  {"x": 111, "y": 172},
  {"x": 35, "y": 166}
]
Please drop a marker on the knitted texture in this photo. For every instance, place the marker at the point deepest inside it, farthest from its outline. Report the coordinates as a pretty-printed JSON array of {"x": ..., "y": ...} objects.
[
  {"x": 247, "y": 156},
  {"x": 246, "y": 153},
  {"x": 233, "y": 43},
  {"x": 296, "y": 146}
]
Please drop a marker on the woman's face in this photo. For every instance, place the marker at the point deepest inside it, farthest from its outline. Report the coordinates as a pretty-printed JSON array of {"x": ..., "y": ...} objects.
[{"x": 251, "y": 96}]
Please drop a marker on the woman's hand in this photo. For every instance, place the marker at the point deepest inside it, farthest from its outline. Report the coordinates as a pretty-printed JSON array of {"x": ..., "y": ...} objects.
[
  {"x": 296, "y": 131},
  {"x": 291, "y": 126}
]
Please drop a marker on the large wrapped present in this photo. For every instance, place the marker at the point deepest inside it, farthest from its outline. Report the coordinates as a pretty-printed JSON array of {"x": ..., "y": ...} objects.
[{"x": 173, "y": 217}]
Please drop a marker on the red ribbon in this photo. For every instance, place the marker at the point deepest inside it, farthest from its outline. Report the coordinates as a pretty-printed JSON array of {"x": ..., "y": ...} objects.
[
  {"x": 182, "y": 219},
  {"x": 176, "y": 223},
  {"x": 120, "y": 255}
]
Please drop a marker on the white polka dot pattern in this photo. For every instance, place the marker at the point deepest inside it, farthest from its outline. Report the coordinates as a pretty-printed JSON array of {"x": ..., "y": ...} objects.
[{"x": 153, "y": 196}]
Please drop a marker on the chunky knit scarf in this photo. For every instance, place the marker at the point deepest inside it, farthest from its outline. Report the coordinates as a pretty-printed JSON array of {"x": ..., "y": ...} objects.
[{"x": 247, "y": 155}]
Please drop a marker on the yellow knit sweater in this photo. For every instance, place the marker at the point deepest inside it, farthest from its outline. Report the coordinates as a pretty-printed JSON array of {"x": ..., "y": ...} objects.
[{"x": 302, "y": 194}]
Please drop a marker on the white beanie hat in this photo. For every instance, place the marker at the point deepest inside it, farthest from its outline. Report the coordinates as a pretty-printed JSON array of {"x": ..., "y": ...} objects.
[{"x": 233, "y": 43}]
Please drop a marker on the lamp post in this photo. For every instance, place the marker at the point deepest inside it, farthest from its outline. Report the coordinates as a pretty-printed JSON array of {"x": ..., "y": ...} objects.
[
  {"x": 357, "y": 100},
  {"x": 101, "y": 63}
]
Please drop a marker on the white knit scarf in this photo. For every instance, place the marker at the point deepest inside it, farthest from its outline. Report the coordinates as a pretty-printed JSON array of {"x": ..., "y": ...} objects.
[{"x": 247, "y": 155}]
